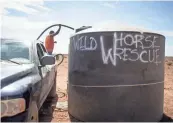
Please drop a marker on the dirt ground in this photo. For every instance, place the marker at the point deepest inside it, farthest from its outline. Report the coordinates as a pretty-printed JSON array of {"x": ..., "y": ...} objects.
[
  {"x": 168, "y": 87},
  {"x": 57, "y": 110}
]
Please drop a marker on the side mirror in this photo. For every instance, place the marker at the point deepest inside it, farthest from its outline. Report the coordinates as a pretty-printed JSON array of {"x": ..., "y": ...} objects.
[{"x": 48, "y": 60}]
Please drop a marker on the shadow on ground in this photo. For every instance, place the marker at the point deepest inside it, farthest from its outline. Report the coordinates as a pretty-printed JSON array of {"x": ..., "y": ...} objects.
[
  {"x": 46, "y": 111},
  {"x": 72, "y": 119},
  {"x": 166, "y": 118}
]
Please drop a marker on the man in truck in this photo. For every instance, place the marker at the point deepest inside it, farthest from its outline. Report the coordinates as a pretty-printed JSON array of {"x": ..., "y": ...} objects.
[{"x": 49, "y": 42}]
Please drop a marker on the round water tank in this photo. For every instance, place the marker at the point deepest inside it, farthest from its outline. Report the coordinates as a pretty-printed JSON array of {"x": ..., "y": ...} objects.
[{"x": 116, "y": 75}]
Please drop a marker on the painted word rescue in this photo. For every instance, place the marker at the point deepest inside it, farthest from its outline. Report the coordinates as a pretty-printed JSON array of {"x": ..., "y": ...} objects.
[{"x": 128, "y": 47}]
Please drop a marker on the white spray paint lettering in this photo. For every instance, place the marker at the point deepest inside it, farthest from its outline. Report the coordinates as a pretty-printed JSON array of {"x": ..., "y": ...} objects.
[
  {"x": 126, "y": 47},
  {"x": 84, "y": 44},
  {"x": 108, "y": 55},
  {"x": 131, "y": 54}
]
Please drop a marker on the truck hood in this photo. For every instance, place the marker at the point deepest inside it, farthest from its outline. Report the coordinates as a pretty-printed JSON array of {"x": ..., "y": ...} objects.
[{"x": 11, "y": 72}]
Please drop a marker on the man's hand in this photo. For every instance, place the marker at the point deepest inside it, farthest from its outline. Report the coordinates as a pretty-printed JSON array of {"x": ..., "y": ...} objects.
[{"x": 57, "y": 32}]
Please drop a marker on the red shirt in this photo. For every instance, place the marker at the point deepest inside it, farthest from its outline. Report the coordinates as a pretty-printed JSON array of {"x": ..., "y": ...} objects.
[{"x": 49, "y": 43}]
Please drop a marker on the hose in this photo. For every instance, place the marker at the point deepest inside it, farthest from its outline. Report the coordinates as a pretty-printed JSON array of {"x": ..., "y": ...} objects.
[
  {"x": 53, "y": 26},
  {"x": 57, "y": 55},
  {"x": 57, "y": 58}
]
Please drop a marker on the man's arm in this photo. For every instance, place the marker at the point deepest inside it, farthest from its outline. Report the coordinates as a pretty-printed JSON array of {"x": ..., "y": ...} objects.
[{"x": 57, "y": 32}]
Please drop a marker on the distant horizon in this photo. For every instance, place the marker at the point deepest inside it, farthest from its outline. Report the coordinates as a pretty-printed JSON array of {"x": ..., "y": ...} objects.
[
  {"x": 165, "y": 56},
  {"x": 60, "y": 52}
]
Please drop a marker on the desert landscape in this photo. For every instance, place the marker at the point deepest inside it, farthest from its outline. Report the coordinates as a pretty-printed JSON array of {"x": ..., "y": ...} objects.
[{"x": 56, "y": 110}]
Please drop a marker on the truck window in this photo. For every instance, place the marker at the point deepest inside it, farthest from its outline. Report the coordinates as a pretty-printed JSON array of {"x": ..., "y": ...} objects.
[
  {"x": 43, "y": 48},
  {"x": 15, "y": 51},
  {"x": 39, "y": 51}
]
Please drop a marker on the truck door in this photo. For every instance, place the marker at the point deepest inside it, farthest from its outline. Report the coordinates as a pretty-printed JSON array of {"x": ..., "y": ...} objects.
[
  {"x": 51, "y": 69},
  {"x": 45, "y": 74}
]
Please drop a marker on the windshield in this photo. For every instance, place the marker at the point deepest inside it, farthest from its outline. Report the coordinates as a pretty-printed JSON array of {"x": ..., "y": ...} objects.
[{"x": 15, "y": 51}]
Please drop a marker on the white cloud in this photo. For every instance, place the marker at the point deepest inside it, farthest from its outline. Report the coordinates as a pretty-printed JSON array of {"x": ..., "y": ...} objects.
[
  {"x": 28, "y": 30},
  {"x": 38, "y": 18},
  {"x": 169, "y": 50},
  {"x": 110, "y": 5},
  {"x": 3, "y": 12},
  {"x": 25, "y": 28},
  {"x": 22, "y": 28},
  {"x": 26, "y": 6},
  {"x": 114, "y": 25},
  {"x": 166, "y": 33}
]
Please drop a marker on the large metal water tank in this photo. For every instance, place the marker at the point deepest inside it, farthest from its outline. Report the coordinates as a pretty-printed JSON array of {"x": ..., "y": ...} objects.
[{"x": 116, "y": 75}]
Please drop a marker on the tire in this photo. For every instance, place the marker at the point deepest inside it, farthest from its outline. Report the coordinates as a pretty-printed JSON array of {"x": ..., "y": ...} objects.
[
  {"x": 52, "y": 92},
  {"x": 33, "y": 115}
]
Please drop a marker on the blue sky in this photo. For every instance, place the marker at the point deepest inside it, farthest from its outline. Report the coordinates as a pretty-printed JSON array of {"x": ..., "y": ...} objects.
[{"x": 27, "y": 19}]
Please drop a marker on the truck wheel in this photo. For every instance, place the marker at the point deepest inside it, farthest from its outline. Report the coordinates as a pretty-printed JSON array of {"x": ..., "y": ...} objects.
[
  {"x": 52, "y": 92},
  {"x": 33, "y": 113}
]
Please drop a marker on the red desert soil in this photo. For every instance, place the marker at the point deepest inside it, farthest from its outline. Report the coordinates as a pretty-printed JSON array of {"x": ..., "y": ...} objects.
[{"x": 59, "y": 115}]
